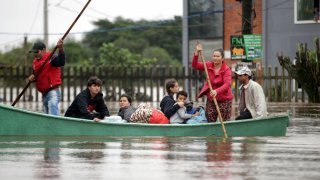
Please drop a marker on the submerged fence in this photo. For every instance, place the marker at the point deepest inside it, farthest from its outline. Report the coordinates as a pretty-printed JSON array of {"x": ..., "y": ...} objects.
[{"x": 142, "y": 83}]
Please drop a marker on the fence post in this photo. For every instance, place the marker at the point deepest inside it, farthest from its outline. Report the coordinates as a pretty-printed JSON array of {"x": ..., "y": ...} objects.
[
  {"x": 62, "y": 85},
  {"x": 296, "y": 90},
  {"x": 289, "y": 88},
  {"x": 276, "y": 77},
  {"x": 23, "y": 75},
  {"x": 68, "y": 83},
  {"x": 302, "y": 95},
  {"x": 270, "y": 84},
  {"x": 282, "y": 85},
  {"x": 74, "y": 80},
  {"x": 5, "y": 85},
  {"x": 11, "y": 84}
]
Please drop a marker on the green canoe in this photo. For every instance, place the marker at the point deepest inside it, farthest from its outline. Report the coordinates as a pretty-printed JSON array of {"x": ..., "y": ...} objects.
[{"x": 15, "y": 121}]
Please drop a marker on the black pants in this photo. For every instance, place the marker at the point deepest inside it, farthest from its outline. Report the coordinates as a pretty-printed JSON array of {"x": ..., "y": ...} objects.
[{"x": 244, "y": 115}]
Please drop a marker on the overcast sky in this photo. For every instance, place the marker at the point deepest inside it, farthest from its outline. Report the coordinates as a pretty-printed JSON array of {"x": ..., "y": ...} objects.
[{"x": 20, "y": 17}]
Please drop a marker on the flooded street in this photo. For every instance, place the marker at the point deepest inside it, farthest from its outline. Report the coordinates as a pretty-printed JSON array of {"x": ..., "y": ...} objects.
[{"x": 295, "y": 156}]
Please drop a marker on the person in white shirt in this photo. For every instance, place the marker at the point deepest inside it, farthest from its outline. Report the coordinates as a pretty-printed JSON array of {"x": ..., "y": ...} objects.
[{"x": 252, "y": 102}]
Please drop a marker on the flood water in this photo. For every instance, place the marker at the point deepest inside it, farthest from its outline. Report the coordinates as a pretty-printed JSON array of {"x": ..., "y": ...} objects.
[{"x": 295, "y": 156}]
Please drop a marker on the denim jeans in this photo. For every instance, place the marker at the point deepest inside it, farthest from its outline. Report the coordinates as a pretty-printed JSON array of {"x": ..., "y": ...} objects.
[{"x": 51, "y": 102}]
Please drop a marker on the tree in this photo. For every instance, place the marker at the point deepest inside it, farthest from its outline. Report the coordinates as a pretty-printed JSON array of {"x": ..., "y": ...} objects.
[
  {"x": 306, "y": 69},
  {"x": 77, "y": 53},
  {"x": 137, "y": 35},
  {"x": 134, "y": 45},
  {"x": 160, "y": 54},
  {"x": 111, "y": 55},
  {"x": 16, "y": 56}
]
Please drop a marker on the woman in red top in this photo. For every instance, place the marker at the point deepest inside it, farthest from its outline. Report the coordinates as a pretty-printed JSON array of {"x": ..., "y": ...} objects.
[{"x": 220, "y": 76}]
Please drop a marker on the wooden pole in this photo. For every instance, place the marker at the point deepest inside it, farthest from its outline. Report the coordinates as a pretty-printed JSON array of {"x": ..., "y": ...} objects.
[
  {"x": 49, "y": 57},
  {"x": 214, "y": 98}
]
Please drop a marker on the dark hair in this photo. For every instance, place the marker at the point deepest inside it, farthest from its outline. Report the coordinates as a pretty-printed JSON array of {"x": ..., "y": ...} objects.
[
  {"x": 94, "y": 80},
  {"x": 170, "y": 84},
  {"x": 127, "y": 96},
  {"x": 221, "y": 51},
  {"x": 183, "y": 93}
]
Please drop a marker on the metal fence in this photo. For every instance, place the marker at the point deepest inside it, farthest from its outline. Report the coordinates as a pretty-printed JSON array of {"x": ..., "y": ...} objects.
[{"x": 143, "y": 83}]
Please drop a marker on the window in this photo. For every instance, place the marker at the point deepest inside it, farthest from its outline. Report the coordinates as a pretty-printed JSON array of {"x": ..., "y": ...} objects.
[
  {"x": 306, "y": 11},
  {"x": 205, "y": 19}
]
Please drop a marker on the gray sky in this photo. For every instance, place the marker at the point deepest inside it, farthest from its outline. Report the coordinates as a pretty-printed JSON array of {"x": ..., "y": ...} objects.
[{"x": 19, "y": 17}]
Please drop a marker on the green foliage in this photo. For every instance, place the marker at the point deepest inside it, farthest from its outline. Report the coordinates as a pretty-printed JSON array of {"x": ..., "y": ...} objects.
[
  {"x": 133, "y": 43},
  {"x": 111, "y": 55},
  {"x": 138, "y": 35},
  {"x": 17, "y": 56},
  {"x": 306, "y": 70},
  {"x": 76, "y": 53},
  {"x": 160, "y": 54}
]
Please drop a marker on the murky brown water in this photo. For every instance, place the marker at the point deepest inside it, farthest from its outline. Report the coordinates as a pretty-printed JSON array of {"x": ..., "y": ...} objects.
[{"x": 296, "y": 156}]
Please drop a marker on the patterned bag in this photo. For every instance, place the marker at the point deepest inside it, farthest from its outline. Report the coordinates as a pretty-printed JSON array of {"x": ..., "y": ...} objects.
[
  {"x": 142, "y": 114},
  {"x": 146, "y": 114}
]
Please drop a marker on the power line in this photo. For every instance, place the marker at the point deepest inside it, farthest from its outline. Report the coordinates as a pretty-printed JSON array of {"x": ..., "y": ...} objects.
[
  {"x": 73, "y": 11},
  {"x": 160, "y": 23},
  {"x": 276, "y": 5},
  {"x": 10, "y": 42},
  {"x": 94, "y": 10},
  {"x": 36, "y": 15}
]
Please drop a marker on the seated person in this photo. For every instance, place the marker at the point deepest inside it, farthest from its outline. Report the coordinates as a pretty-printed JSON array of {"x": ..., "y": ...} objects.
[
  {"x": 189, "y": 107},
  {"x": 168, "y": 105},
  {"x": 126, "y": 110},
  {"x": 252, "y": 103},
  {"x": 181, "y": 116},
  {"x": 88, "y": 101}
]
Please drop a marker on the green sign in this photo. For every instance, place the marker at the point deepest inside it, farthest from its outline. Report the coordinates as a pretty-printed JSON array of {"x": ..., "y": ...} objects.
[{"x": 246, "y": 47}]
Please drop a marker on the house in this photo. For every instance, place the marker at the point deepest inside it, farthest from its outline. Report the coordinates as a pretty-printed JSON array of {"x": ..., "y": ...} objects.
[{"x": 283, "y": 24}]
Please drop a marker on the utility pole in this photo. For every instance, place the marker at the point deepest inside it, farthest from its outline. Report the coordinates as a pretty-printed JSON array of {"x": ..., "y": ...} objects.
[
  {"x": 45, "y": 22},
  {"x": 185, "y": 40},
  {"x": 25, "y": 47},
  {"x": 247, "y": 18}
]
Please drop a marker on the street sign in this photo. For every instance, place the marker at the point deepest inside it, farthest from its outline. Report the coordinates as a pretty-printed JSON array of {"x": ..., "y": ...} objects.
[{"x": 246, "y": 47}]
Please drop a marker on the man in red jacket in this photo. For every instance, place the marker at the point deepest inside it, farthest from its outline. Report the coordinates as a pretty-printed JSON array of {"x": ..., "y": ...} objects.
[{"x": 49, "y": 79}]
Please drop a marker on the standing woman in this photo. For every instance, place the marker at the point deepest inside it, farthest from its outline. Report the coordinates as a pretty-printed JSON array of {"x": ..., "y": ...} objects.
[
  {"x": 167, "y": 104},
  {"x": 126, "y": 110},
  {"x": 220, "y": 76}
]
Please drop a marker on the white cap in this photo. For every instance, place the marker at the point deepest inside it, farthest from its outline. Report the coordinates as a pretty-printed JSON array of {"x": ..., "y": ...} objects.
[{"x": 244, "y": 70}]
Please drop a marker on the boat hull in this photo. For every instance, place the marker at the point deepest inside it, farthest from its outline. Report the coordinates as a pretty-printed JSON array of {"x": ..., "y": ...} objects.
[{"x": 14, "y": 121}]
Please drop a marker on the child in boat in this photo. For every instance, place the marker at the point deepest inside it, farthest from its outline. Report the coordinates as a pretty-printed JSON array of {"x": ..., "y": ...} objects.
[{"x": 181, "y": 116}]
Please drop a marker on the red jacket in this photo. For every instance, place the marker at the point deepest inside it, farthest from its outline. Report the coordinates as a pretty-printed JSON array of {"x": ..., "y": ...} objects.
[
  {"x": 220, "y": 82},
  {"x": 49, "y": 77}
]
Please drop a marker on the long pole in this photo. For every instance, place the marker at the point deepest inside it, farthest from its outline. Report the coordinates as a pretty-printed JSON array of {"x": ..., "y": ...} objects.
[
  {"x": 52, "y": 52},
  {"x": 214, "y": 98},
  {"x": 45, "y": 22}
]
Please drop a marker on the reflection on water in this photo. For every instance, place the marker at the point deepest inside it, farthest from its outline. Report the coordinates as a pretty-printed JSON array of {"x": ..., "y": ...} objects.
[
  {"x": 295, "y": 156},
  {"x": 160, "y": 157},
  {"x": 49, "y": 166}
]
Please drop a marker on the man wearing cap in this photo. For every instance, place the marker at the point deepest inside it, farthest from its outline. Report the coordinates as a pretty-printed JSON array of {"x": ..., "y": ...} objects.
[
  {"x": 48, "y": 78},
  {"x": 252, "y": 102}
]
